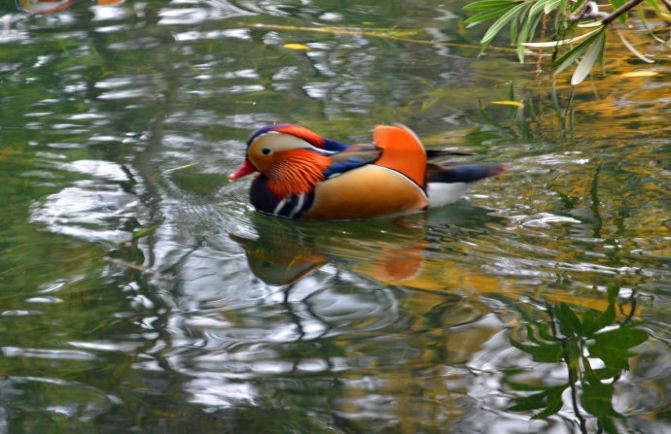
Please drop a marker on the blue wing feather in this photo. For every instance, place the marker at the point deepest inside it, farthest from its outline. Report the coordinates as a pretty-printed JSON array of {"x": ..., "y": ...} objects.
[
  {"x": 469, "y": 172},
  {"x": 354, "y": 156}
]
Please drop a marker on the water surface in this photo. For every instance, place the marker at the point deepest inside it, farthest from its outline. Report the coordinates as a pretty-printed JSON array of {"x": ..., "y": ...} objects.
[{"x": 140, "y": 292}]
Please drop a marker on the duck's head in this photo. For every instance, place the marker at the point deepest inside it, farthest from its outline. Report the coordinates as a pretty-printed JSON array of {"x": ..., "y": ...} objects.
[{"x": 291, "y": 157}]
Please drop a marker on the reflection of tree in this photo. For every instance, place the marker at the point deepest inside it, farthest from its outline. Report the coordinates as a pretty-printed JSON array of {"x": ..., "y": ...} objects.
[{"x": 563, "y": 337}]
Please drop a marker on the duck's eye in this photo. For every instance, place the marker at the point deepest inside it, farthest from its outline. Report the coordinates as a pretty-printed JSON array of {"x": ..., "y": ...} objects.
[{"x": 266, "y": 151}]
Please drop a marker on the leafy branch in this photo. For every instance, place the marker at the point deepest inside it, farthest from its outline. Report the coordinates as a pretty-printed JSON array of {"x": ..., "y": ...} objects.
[
  {"x": 576, "y": 342},
  {"x": 579, "y": 28}
]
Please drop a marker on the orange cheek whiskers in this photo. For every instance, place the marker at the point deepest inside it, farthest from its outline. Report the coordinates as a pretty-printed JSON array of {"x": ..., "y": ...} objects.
[{"x": 296, "y": 172}]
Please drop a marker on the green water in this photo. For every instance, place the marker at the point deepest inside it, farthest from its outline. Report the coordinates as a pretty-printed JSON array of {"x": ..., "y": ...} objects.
[{"x": 140, "y": 292}]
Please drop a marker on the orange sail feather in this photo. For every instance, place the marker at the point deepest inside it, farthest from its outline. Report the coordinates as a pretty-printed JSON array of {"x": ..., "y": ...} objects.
[{"x": 402, "y": 152}]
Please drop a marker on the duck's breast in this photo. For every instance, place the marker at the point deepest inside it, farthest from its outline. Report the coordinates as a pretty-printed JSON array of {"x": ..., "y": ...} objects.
[{"x": 369, "y": 191}]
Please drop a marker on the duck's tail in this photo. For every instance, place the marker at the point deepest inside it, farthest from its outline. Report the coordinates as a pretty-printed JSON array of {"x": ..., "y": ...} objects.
[{"x": 446, "y": 184}]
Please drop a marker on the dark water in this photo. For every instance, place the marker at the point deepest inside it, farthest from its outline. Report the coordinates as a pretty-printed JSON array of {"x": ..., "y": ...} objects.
[{"x": 140, "y": 293}]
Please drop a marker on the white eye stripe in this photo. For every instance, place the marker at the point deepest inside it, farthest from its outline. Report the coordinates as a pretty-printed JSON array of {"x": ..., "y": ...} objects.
[{"x": 284, "y": 142}]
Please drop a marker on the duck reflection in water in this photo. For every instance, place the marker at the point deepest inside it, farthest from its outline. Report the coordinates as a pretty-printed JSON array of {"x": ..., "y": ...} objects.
[
  {"x": 390, "y": 251},
  {"x": 417, "y": 251}
]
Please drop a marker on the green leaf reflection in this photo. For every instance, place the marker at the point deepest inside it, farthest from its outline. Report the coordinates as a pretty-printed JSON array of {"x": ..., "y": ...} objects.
[{"x": 576, "y": 339}]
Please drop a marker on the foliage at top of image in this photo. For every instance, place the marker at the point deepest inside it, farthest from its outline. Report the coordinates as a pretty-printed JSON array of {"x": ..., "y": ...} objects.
[{"x": 579, "y": 28}]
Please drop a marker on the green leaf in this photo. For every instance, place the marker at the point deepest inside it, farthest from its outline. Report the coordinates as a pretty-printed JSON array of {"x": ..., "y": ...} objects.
[
  {"x": 489, "y": 4},
  {"x": 572, "y": 355},
  {"x": 589, "y": 373},
  {"x": 588, "y": 60},
  {"x": 550, "y": 6},
  {"x": 551, "y": 353},
  {"x": 554, "y": 404},
  {"x": 485, "y": 16},
  {"x": 624, "y": 337},
  {"x": 547, "y": 397},
  {"x": 569, "y": 323},
  {"x": 613, "y": 347},
  {"x": 631, "y": 48},
  {"x": 501, "y": 22},
  {"x": 525, "y": 387},
  {"x": 527, "y": 403},
  {"x": 527, "y": 31},
  {"x": 613, "y": 292},
  {"x": 536, "y": 7},
  {"x": 545, "y": 333},
  {"x": 616, "y": 4},
  {"x": 597, "y": 399},
  {"x": 144, "y": 231},
  {"x": 553, "y": 44},
  {"x": 608, "y": 425},
  {"x": 531, "y": 336},
  {"x": 592, "y": 323},
  {"x": 514, "y": 27},
  {"x": 572, "y": 55},
  {"x": 555, "y": 103}
]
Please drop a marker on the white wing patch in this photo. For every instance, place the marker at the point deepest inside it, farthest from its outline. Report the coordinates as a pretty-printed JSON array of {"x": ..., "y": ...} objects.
[{"x": 441, "y": 194}]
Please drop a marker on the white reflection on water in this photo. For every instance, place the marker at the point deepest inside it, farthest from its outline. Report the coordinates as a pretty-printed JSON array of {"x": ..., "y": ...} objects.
[
  {"x": 89, "y": 211},
  {"x": 194, "y": 35},
  {"x": 41, "y": 353},
  {"x": 214, "y": 391},
  {"x": 98, "y": 168},
  {"x": 220, "y": 9}
]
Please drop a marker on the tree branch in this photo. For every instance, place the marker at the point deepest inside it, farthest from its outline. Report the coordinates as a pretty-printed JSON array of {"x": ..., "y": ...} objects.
[
  {"x": 619, "y": 11},
  {"x": 589, "y": 11}
]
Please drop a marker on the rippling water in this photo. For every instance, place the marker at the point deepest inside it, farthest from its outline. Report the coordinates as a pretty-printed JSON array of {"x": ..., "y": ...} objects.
[{"x": 140, "y": 292}]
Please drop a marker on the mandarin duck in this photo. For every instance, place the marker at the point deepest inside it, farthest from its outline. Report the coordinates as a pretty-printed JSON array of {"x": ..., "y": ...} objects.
[{"x": 302, "y": 175}]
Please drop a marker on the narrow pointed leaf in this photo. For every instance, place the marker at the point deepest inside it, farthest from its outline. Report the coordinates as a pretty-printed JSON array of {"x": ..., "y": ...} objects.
[
  {"x": 489, "y": 4},
  {"x": 485, "y": 16},
  {"x": 550, "y": 6},
  {"x": 501, "y": 22},
  {"x": 527, "y": 31},
  {"x": 554, "y": 404},
  {"x": 553, "y": 44},
  {"x": 570, "y": 56},
  {"x": 632, "y": 48},
  {"x": 590, "y": 24},
  {"x": 537, "y": 7},
  {"x": 540, "y": 353},
  {"x": 569, "y": 323},
  {"x": 588, "y": 60},
  {"x": 613, "y": 292},
  {"x": 592, "y": 323},
  {"x": 512, "y": 103}
]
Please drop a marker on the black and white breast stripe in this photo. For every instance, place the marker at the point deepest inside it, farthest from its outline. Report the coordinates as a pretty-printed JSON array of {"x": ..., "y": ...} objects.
[{"x": 293, "y": 206}]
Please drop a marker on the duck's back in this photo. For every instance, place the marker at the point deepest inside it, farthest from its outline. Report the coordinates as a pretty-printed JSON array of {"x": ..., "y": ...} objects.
[{"x": 393, "y": 184}]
